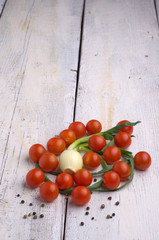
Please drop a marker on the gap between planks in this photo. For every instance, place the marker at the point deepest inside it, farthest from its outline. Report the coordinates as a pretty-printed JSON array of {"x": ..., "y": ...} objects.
[
  {"x": 76, "y": 91},
  {"x": 2, "y": 6},
  {"x": 156, "y": 12}
]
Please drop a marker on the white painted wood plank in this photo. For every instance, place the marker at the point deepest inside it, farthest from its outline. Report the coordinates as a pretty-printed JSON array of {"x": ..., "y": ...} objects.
[
  {"x": 119, "y": 79},
  {"x": 39, "y": 43}
]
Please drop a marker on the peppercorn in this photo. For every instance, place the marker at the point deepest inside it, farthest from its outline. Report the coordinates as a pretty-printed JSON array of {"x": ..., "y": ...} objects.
[
  {"x": 87, "y": 208},
  {"x": 25, "y": 216},
  {"x": 35, "y": 217},
  {"x": 18, "y": 195},
  {"x": 92, "y": 218},
  {"x": 82, "y": 223},
  {"x": 34, "y": 213},
  {"x": 102, "y": 206},
  {"x": 109, "y": 198},
  {"x": 113, "y": 214},
  {"x": 41, "y": 215},
  {"x": 30, "y": 204},
  {"x": 117, "y": 203},
  {"x": 95, "y": 180},
  {"x": 22, "y": 202},
  {"x": 86, "y": 213},
  {"x": 42, "y": 205},
  {"x": 29, "y": 214},
  {"x": 108, "y": 216}
]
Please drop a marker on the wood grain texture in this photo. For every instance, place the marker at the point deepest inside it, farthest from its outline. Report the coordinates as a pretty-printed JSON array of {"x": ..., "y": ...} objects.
[
  {"x": 119, "y": 79},
  {"x": 39, "y": 43}
]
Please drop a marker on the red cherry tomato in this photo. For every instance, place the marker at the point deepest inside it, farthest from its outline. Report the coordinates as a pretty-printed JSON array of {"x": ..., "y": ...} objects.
[
  {"x": 93, "y": 126},
  {"x": 142, "y": 161},
  {"x": 91, "y": 160},
  {"x": 111, "y": 154},
  {"x": 123, "y": 169},
  {"x": 82, "y": 177},
  {"x": 69, "y": 136},
  {"x": 96, "y": 143},
  {"x": 111, "y": 180},
  {"x": 78, "y": 128},
  {"x": 49, "y": 191},
  {"x": 64, "y": 181},
  {"x": 36, "y": 151},
  {"x": 122, "y": 140},
  {"x": 80, "y": 195},
  {"x": 127, "y": 129},
  {"x": 48, "y": 162},
  {"x": 56, "y": 145},
  {"x": 35, "y": 177}
]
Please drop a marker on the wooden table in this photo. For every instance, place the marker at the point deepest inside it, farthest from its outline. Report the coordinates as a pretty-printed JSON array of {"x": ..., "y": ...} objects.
[{"x": 63, "y": 61}]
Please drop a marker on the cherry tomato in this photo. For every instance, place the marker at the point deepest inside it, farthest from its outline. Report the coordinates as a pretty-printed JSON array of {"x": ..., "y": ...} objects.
[
  {"x": 91, "y": 160},
  {"x": 123, "y": 169},
  {"x": 56, "y": 145},
  {"x": 80, "y": 195},
  {"x": 78, "y": 128},
  {"x": 69, "y": 136},
  {"x": 35, "y": 177},
  {"x": 82, "y": 177},
  {"x": 127, "y": 129},
  {"x": 122, "y": 140},
  {"x": 49, "y": 191},
  {"x": 93, "y": 126},
  {"x": 96, "y": 143},
  {"x": 36, "y": 151},
  {"x": 64, "y": 181},
  {"x": 111, "y": 154},
  {"x": 142, "y": 160},
  {"x": 111, "y": 180},
  {"x": 48, "y": 162}
]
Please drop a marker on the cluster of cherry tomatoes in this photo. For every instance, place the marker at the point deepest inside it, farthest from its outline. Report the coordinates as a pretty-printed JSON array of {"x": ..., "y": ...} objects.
[{"x": 80, "y": 194}]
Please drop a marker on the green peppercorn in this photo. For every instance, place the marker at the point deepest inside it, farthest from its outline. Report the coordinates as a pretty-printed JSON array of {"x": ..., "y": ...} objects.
[
  {"x": 108, "y": 216},
  {"x": 35, "y": 217},
  {"x": 25, "y": 216},
  {"x": 102, "y": 206},
  {"x": 29, "y": 214}
]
